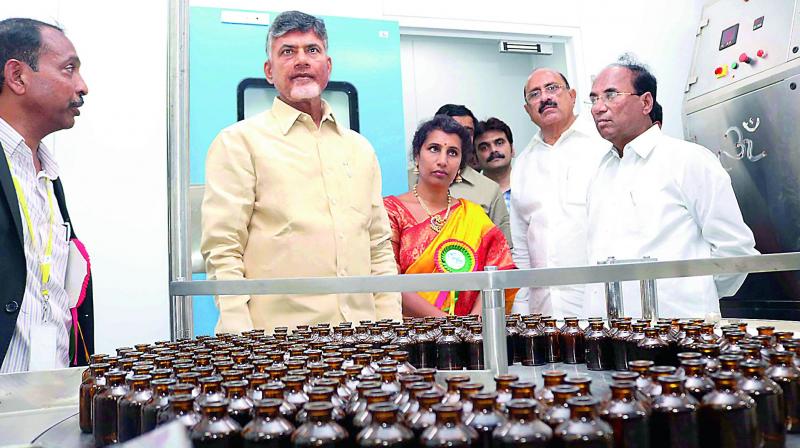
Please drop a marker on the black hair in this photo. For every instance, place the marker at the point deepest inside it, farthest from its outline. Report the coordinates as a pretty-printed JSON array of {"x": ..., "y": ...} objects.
[
  {"x": 657, "y": 114},
  {"x": 289, "y": 21},
  {"x": 493, "y": 124},
  {"x": 447, "y": 125},
  {"x": 643, "y": 80},
  {"x": 21, "y": 39},
  {"x": 457, "y": 110}
]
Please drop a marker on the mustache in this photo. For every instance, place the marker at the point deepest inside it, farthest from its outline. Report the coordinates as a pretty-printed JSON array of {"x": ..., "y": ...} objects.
[
  {"x": 494, "y": 156},
  {"x": 547, "y": 103},
  {"x": 78, "y": 103}
]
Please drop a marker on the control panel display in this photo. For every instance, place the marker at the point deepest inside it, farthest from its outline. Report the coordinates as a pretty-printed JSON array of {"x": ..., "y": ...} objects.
[{"x": 729, "y": 36}]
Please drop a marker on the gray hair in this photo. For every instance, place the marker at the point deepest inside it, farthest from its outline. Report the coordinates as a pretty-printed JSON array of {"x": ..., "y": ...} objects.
[{"x": 289, "y": 21}]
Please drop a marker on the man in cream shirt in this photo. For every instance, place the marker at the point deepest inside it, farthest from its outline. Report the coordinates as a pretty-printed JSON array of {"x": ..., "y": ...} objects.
[
  {"x": 548, "y": 192},
  {"x": 661, "y": 197},
  {"x": 292, "y": 193}
]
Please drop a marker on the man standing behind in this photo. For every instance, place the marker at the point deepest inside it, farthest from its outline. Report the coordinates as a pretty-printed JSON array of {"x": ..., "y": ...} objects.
[
  {"x": 473, "y": 186},
  {"x": 494, "y": 148},
  {"x": 548, "y": 192},
  {"x": 41, "y": 89},
  {"x": 661, "y": 197},
  {"x": 292, "y": 193}
]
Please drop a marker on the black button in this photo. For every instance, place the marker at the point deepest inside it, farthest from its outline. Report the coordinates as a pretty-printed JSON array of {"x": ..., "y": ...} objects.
[{"x": 12, "y": 306}]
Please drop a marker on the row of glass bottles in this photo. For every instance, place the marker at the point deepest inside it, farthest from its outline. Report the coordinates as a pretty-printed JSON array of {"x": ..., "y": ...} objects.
[
  {"x": 534, "y": 340},
  {"x": 255, "y": 354}
]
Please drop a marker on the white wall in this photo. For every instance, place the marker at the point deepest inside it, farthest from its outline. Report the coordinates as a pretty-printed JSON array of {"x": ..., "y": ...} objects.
[
  {"x": 660, "y": 32},
  {"x": 476, "y": 75},
  {"x": 114, "y": 159}
]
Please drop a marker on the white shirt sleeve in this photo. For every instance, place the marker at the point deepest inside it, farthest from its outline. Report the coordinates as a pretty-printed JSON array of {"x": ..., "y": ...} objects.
[
  {"x": 519, "y": 236},
  {"x": 710, "y": 197}
]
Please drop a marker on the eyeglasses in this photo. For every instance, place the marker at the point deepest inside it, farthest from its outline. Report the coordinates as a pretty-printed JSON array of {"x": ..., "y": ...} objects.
[
  {"x": 608, "y": 97},
  {"x": 550, "y": 89}
]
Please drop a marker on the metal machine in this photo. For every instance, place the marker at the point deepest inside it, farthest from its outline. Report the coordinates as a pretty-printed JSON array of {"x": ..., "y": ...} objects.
[{"x": 742, "y": 101}]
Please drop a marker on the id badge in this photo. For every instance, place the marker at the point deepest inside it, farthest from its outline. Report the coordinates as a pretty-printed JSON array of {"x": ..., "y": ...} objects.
[{"x": 43, "y": 346}]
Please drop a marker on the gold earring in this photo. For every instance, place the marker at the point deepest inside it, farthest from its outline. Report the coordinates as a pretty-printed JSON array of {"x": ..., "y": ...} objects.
[
  {"x": 459, "y": 179},
  {"x": 416, "y": 169}
]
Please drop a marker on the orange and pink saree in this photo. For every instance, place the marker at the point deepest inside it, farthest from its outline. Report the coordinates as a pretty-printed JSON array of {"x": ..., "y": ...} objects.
[{"x": 468, "y": 242}]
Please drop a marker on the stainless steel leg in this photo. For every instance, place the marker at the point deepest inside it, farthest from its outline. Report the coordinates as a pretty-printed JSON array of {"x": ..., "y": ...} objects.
[{"x": 493, "y": 302}]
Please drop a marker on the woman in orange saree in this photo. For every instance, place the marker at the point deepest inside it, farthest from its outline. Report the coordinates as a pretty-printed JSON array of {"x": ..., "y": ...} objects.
[{"x": 434, "y": 232}]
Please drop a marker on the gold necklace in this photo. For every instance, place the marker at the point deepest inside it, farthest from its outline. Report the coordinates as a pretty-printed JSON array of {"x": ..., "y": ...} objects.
[{"x": 437, "y": 222}]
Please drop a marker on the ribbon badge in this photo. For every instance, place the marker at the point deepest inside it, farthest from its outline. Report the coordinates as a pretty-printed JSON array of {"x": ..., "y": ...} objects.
[{"x": 455, "y": 256}]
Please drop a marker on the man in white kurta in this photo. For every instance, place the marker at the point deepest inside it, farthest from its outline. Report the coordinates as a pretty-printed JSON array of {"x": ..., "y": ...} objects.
[
  {"x": 548, "y": 193},
  {"x": 658, "y": 196}
]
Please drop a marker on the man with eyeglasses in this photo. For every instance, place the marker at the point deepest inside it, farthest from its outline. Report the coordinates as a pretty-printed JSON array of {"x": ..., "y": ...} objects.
[
  {"x": 658, "y": 196},
  {"x": 548, "y": 192}
]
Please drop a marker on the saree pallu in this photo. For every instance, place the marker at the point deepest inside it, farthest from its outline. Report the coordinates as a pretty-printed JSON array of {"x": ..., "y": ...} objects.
[{"x": 468, "y": 242}]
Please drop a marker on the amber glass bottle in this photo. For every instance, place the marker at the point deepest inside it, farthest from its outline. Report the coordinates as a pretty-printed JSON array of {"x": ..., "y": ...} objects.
[
  {"x": 583, "y": 381},
  {"x": 210, "y": 389},
  {"x": 783, "y": 372},
  {"x": 533, "y": 345},
  {"x": 449, "y": 353},
  {"x": 448, "y": 431},
  {"x": 552, "y": 378},
  {"x": 512, "y": 341},
  {"x": 287, "y": 410},
  {"x": 627, "y": 416},
  {"x": 558, "y": 412},
  {"x": 385, "y": 429},
  {"x": 412, "y": 405},
  {"x": 637, "y": 334},
  {"x": 93, "y": 383},
  {"x": 268, "y": 428},
  {"x": 599, "y": 355},
  {"x": 363, "y": 417},
  {"x": 104, "y": 420},
  {"x": 425, "y": 416},
  {"x": 156, "y": 404},
  {"x": 294, "y": 393},
  {"x": 573, "y": 348},
  {"x": 427, "y": 346},
  {"x": 240, "y": 406},
  {"x": 452, "y": 396},
  {"x": 523, "y": 429},
  {"x": 653, "y": 348},
  {"x": 484, "y": 418},
  {"x": 502, "y": 386},
  {"x": 583, "y": 429},
  {"x": 552, "y": 336},
  {"x": 727, "y": 415},
  {"x": 620, "y": 346},
  {"x": 216, "y": 428},
  {"x": 408, "y": 344},
  {"x": 474, "y": 343},
  {"x": 466, "y": 391},
  {"x": 129, "y": 415},
  {"x": 320, "y": 430},
  {"x": 696, "y": 382},
  {"x": 673, "y": 422},
  {"x": 523, "y": 389},
  {"x": 769, "y": 402}
]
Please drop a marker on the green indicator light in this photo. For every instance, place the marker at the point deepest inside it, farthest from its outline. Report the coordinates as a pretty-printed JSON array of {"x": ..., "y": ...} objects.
[{"x": 735, "y": 65}]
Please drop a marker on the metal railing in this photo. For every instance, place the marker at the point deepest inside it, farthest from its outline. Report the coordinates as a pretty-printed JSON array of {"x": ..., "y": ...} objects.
[{"x": 491, "y": 283}]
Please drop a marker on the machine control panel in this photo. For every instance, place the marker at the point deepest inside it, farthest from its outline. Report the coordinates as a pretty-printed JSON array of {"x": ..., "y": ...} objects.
[{"x": 739, "y": 38}]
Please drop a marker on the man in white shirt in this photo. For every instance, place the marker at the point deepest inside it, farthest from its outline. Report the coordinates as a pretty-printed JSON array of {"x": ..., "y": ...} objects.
[
  {"x": 658, "y": 196},
  {"x": 548, "y": 192}
]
